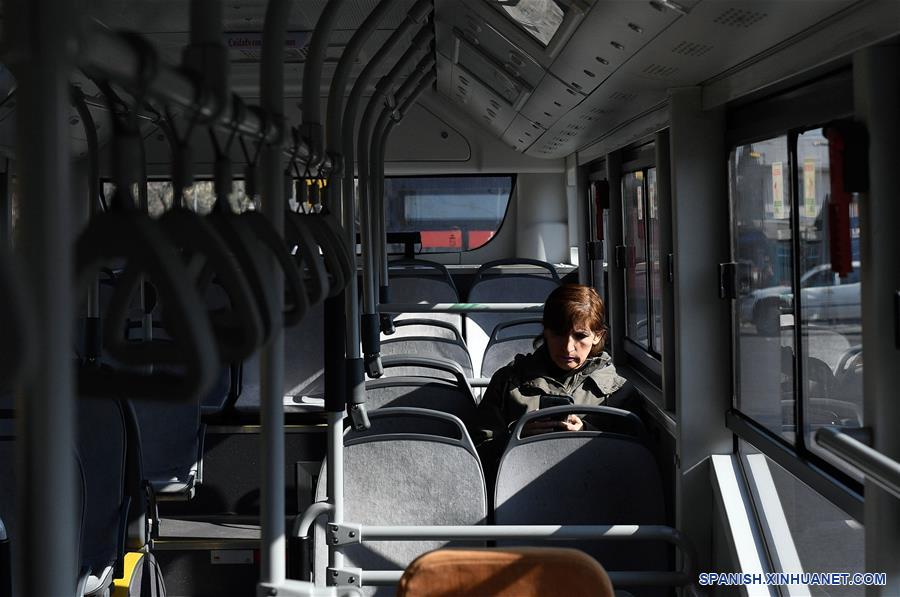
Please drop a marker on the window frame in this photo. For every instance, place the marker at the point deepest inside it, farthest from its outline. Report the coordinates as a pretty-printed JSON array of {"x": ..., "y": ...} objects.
[
  {"x": 645, "y": 360},
  {"x": 513, "y": 189},
  {"x": 791, "y": 113}
]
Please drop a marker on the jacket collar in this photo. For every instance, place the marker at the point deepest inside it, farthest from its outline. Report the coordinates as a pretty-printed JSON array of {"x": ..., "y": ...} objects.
[{"x": 600, "y": 370}]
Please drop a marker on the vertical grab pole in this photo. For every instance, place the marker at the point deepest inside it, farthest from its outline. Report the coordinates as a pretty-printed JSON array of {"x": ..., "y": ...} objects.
[
  {"x": 41, "y": 38},
  {"x": 335, "y": 322},
  {"x": 407, "y": 94},
  {"x": 341, "y": 199},
  {"x": 271, "y": 85},
  {"x": 418, "y": 13},
  {"x": 371, "y": 340}
]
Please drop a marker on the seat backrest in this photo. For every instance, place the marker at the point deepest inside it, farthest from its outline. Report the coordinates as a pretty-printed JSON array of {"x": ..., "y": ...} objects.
[
  {"x": 170, "y": 442},
  {"x": 422, "y": 281},
  {"x": 434, "y": 384},
  {"x": 509, "y": 572},
  {"x": 589, "y": 477},
  {"x": 101, "y": 448},
  {"x": 440, "y": 348},
  {"x": 304, "y": 362},
  {"x": 421, "y": 392},
  {"x": 490, "y": 287},
  {"x": 404, "y": 479},
  {"x": 8, "y": 518},
  {"x": 509, "y": 339}
]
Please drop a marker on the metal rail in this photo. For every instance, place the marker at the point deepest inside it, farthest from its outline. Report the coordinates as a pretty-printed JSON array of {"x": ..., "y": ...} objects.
[
  {"x": 461, "y": 308},
  {"x": 878, "y": 468},
  {"x": 356, "y": 533}
]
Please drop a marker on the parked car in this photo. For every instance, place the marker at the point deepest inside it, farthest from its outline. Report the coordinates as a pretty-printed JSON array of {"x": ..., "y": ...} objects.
[{"x": 824, "y": 296}]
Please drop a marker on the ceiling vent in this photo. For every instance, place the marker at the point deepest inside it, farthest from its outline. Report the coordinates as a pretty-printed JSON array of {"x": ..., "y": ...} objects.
[
  {"x": 623, "y": 96},
  {"x": 660, "y": 71},
  {"x": 742, "y": 19},
  {"x": 689, "y": 48}
]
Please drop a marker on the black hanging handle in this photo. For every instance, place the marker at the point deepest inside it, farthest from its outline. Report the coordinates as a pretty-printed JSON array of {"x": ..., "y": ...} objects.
[{"x": 184, "y": 366}]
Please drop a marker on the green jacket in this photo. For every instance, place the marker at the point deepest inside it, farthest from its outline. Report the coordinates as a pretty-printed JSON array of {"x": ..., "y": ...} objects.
[{"x": 517, "y": 388}]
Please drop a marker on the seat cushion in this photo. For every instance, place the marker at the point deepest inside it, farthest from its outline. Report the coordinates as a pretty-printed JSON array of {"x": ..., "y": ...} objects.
[{"x": 522, "y": 572}]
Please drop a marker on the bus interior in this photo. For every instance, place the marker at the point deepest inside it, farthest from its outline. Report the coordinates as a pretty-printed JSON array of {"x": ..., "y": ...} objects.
[{"x": 260, "y": 259}]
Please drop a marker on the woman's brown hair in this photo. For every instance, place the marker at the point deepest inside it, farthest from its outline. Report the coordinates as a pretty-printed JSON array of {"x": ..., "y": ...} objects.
[{"x": 574, "y": 305}]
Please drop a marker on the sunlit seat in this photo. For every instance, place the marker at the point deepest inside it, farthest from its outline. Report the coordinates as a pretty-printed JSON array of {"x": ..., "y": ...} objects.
[
  {"x": 422, "y": 281},
  {"x": 509, "y": 339},
  {"x": 393, "y": 476},
  {"x": 490, "y": 286},
  {"x": 420, "y": 382},
  {"x": 586, "y": 478},
  {"x": 507, "y": 572}
]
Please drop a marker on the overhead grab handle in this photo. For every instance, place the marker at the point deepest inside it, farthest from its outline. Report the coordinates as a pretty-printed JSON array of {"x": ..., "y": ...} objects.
[{"x": 184, "y": 366}]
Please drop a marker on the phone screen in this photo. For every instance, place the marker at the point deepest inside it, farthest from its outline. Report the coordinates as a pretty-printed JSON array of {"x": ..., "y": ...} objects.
[{"x": 551, "y": 401}]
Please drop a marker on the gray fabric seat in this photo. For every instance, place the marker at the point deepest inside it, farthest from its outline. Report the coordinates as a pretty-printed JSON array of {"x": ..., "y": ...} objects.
[
  {"x": 304, "y": 363},
  {"x": 8, "y": 518},
  {"x": 589, "y": 477},
  {"x": 396, "y": 478},
  {"x": 422, "y": 281},
  {"x": 509, "y": 339},
  {"x": 101, "y": 448},
  {"x": 433, "y": 384},
  {"x": 430, "y": 340},
  {"x": 491, "y": 287},
  {"x": 171, "y": 447}
]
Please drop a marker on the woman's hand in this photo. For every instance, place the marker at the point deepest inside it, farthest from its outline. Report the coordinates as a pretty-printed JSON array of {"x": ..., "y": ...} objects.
[
  {"x": 572, "y": 423},
  {"x": 539, "y": 426}
]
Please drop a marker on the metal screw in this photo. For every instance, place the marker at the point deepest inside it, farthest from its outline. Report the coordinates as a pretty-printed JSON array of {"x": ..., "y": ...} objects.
[
  {"x": 335, "y": 540},
  {"x": 352, "y": 534},
  {"x": 273, "y": 592},
  {"x": 351, "y": 579},
  {"x": 334, "y": 573}
]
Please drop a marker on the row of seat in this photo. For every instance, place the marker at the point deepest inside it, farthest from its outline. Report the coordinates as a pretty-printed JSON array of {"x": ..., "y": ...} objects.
[
  {"x": 489, "y": 337},
  {"x": 419, "y": 467}
]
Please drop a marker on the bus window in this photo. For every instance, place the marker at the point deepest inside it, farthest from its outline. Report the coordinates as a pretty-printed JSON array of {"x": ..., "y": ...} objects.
[
  {"x": 764, "y": 350},
  {"x": 643, "y": 294},
  {"x": 830, "y": 309},
  {"x": 821, "y": 536},
  {"x": 452, "y": 213},
  {"x": 200, "y": 197}
]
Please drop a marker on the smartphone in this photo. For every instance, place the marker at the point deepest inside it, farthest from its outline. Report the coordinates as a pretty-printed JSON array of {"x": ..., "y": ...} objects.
[{"x": 549, "y": 401}]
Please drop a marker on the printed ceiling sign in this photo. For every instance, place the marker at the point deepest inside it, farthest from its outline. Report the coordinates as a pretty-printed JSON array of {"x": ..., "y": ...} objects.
[{"x": 247, "y": 46}]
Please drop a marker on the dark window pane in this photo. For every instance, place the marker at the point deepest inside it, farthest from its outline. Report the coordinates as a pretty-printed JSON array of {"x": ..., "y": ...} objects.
[
  {"x": 655, "y": 289},
  {"x": 637, "y": 309},
  {"x": 453, "y": 213},
  {"x": 829, "y": 304},
  {"x": 803, "y": 531},
  {"x": 764, "y": 349}
]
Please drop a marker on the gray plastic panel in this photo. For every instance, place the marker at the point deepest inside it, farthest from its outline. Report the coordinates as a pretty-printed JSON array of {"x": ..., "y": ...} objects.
[
  {"x": 490, "y": 72},
  {"x": 470, "y": 95},
  {"x": 550, "y": 101},
  {"x": 611, "y": 34},
  {"x": 522, "y": 133},
  {"x": 477, "y": 26}
]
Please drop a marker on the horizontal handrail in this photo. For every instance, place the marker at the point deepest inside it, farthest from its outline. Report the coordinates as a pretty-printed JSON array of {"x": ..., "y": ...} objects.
[
  {"x": 631, "y": 578},
  {"x": 357, "y": 533},
  {"x": 878, "y": 468},
  {"x": 461, "y": 308}
]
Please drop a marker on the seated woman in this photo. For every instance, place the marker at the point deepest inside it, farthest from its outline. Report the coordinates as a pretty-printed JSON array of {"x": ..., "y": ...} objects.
[{"x": 570, "y": 363}]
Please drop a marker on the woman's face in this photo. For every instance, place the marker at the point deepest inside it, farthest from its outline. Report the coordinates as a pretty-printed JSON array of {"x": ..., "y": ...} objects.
[{"x": 570, "y": 351}]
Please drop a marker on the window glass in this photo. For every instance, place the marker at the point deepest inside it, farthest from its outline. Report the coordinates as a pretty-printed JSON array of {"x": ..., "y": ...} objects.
[
  {"x": 829, "y": 303},
  {"x": 655, "y": 272},
  {"x": 637, "y": 308},
  {"x": 200, "y": 197},
  {"x": 452, "y": 213},
  {"x": 764, "y": 349},
  {"x": 540, "y": 18},
  {"x": 803, "y": 531}
]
